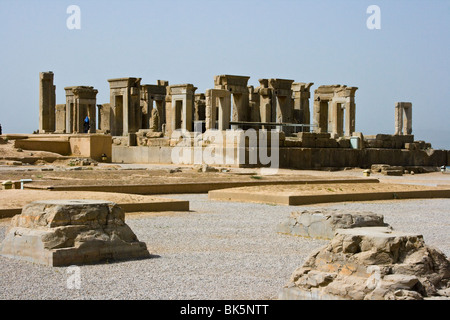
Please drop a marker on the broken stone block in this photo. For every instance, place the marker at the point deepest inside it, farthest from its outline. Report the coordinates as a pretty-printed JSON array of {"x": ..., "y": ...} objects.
[
  {"x": 344, "y": 143},
  {"x": 205, "y": 168},
  {"x": 392, "y": 172},
  {"x": 322, "y": 224},
  {"x": 6, "y": 185},
  {"x": 152, "y": 134},
  {"x": 71, "y": 232},
  {"x": 371, "y": 264},
  {"x": 379, "y": 167}
]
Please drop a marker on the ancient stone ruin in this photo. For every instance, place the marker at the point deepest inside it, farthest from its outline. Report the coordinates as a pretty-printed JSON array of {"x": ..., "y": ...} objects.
[
  {"x": 403, "y": 118},
  {"x": 141, "y": 123},
  {"x": 370, "y": 263},
  {"x": 71, "y": 232},
  {"x": 333, "y": 105}
]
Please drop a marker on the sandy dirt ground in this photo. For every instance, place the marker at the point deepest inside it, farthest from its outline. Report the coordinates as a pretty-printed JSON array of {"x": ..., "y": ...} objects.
[
  {"x": 11, "y": 199},
  {"x": 64, "y": 173}
]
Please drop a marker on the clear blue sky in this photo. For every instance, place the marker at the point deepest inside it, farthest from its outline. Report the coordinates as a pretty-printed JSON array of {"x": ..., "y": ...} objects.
[{"x": 325, "y": 42}]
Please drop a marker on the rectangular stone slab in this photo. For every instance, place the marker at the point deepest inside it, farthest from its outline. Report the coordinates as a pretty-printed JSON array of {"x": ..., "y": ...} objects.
[{"x": 338, "y": 192}]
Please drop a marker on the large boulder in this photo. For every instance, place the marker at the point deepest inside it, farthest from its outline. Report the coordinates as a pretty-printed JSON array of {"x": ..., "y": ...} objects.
[
  {"x": 372, "y": 264},
  {"x": 68, "y": 232},
  {"x": 322, "y": 224}
]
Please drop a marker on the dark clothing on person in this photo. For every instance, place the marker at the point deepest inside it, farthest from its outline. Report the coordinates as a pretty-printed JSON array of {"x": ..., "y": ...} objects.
[{"x": 86, "y": 125}]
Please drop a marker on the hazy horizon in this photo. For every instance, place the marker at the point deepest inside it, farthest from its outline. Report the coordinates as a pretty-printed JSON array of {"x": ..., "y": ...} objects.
[{"x": 325, "y": 42}]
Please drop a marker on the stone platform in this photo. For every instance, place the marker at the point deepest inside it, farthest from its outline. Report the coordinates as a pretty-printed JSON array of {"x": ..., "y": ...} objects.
[
  {"x": 71, "y": 232},
  {"x": 325, "y": 193}
]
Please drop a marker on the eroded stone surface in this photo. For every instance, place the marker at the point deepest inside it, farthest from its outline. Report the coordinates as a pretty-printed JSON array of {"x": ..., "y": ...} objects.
[
  {"x": 65, "y": 232},
  {"x": 372, "y": 264},
  {"x": 322, "y": 224}
]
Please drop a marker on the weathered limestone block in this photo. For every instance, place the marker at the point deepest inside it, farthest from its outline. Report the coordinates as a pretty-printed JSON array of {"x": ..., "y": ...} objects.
[
  {"x": 392, "y": 171},
  {"x": 343, "y": 143},
  {"x": 67, "y": 232},
  {"x": 372, "y": 143},
  {"x": 322, "y": 224},
  {"x": 379, "y": 167},
  {"x": 372, "y": 264},
  {"x": 292, "y": 142},
  {"x": 388, "y": 170}
]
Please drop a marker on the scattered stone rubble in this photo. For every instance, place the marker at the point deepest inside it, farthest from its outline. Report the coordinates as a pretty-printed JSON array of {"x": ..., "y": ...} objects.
[
  {"x": 68, "y": 232},
  {"x": 364, "y": 261}
]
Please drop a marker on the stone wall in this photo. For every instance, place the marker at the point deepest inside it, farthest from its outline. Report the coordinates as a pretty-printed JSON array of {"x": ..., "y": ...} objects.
[
  {"x": 84, "y": 145},
  {"x": 305, "y": 158}
]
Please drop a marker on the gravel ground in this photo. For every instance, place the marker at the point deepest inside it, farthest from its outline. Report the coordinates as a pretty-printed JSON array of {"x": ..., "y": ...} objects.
[{"x": 219, "y": 250}]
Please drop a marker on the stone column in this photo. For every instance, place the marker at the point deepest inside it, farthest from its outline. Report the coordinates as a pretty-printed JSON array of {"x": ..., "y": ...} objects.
[
  {"x": 407, "y": 118},
  {"x": 104, "y": 117},
  {"x": 60, "y": 123},
  {"x": 160, "y": 107},
  {"x": 169, "y": 113},
  {"x": 265, "y": 105},
  {"x": 320, "y": 116},
  {"x": 210, "y": 109},
  {"x": 335, "y": 118},
  {"x": 47, "y": 102},
  {"x": 70, "y": 107},
  {"x": 146, "y": 107},
  {"x": 316, "y": 115},
  {"x": 187, "y": 115},
  {"x": 92, "y": 114},
  {"x": 304, "y": 105},
  {"x": 199, "y": 110},
  {"x": 224, "y": 112},
  {"x": 350, "y": 112},
  {"x": 403, "y": 118},
  {"x": 301, "y": 96},
  {"x": 134, "y": 108}
]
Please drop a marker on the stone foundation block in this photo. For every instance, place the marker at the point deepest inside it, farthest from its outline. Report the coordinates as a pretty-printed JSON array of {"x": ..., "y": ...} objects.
[{"x": 71, "y": 232}]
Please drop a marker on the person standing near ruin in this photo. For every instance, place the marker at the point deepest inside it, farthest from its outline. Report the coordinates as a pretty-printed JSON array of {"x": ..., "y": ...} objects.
[
  {"x": 86, "y": 124},
  {"x": 1, "y": 129}
]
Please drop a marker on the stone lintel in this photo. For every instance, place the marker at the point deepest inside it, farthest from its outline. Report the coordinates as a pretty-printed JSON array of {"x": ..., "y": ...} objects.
[
  {"x": 227, "y": 80},
  {"x": 124, "y": 82},
  {"x": 301, "y": 86},
  {"x": 281, "y": 84}
]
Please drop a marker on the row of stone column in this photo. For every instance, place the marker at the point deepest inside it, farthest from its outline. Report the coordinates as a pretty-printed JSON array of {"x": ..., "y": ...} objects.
[
  {"x": 165, "y": 108},
  {"x": 131, "y": 105}
]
